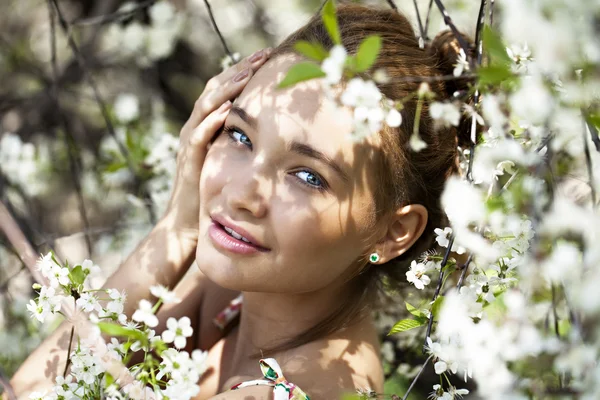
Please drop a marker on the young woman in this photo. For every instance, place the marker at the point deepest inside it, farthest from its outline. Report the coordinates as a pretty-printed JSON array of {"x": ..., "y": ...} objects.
[{"x": 273, "y": 201}]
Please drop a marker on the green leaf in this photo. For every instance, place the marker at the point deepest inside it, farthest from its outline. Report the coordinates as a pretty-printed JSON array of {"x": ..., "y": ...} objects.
[
  {"x": 77, "y": 275},
  {"x": 367, "y": 53},
  {"x": 115, "y": 166},
  {"x": 314, "y": 51},
  {"x": 492, "y": 75},
  {"x": 593, "y": 119},
  {"x": 493, "y": 45},
  {"x": 330, "y": 22},
  {"x": 108, "y": 379},
  {"x": 437, "y": 305},
  {"x": 118, "y": 330},
  {"x": 405, "y": 325},
  {"x": 129, "y": 141},
  {"x": 301, "y": 72},
  {"x": 413, "y": 310}
]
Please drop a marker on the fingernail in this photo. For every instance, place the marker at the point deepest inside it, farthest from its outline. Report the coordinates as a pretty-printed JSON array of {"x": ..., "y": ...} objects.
[
  {"x": 241, "y": 75},
  {"x": 225, "y": 106},
  {"x": 256, "y": 56}
]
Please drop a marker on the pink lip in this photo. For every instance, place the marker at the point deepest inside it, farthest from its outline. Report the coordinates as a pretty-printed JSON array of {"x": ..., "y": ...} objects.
[{"x": 222, "y": 239}]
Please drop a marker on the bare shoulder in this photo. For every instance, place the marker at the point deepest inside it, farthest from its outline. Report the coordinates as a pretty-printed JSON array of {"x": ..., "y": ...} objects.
[{"x": 343, "y": 363}]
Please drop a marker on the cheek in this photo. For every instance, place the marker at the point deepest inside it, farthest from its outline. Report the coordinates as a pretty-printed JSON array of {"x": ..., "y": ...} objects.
[{"x": 320, "y": 243}]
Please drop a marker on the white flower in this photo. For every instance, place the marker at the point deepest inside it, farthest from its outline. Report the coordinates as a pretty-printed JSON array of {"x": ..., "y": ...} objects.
[
  {"x": 89, "y": 267},
  {"x": 59, "y": 276},
  {"x": 118, "y": 301},
  {"x": 88, "y": 302},
  {"x": 177, "y": 331},
  {"x": 380, "y": 76},
  {"x": 161, "y": 12},
  {"x": 85, "y": 367},
  {"x": 127, "y": 107},
  {"x": 164, "y": 294},
  {"x": 133, "y": 38},
  {"x": 533, "y": 102},
  {"x": 333, "y": 66},
  {"x": 38, "y": 311},
  {"x": 48, "y": 299},
  {"x": 145, "y": 314},
  {"x": 416, "y": 143},
  {"x": 461, "y": 64},
  {"x": 445, "y": 114},
  {"x": 462, "y": 202},
  {"x": 443, "y": 239},
  {"x": 393, "y": 118},
  {"x": 365, "y": 97},
  {"x": 45, "y": 264},
  {"x": 361, "y": 93},
  {"x": 416, "y": 275}
]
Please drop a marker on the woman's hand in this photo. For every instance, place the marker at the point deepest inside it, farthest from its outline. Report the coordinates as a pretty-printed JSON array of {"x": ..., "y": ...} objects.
[{"x": 210, "y": 111}]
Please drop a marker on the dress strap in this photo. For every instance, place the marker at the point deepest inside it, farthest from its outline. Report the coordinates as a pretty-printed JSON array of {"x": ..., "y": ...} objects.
[
  {"x": 229, "y": 313},
  {"x": 282, "y": 389}
]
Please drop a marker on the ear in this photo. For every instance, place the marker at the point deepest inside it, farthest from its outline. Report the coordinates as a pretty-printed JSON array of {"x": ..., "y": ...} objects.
[{"x": 404, "y": 228}]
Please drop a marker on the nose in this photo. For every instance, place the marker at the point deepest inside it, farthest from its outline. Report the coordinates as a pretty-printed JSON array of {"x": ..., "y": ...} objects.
[{"x": 243, "y": 194}]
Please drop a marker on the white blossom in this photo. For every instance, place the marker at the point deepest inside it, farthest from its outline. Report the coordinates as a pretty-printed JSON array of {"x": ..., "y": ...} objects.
[
  {"x": 462, "y": 64},
  {"x": 177, "y": 331},
  {"x": 127, "y": 107},
  {"x": 333, "y": 65},
  {"x": 164, "y": 294},
  {"x": 144, "y": 314},
  {"x": 445, "y": 114},
  {"x": 88, "y": 302},
  {"x": 417, "y": 275},
  {"x": 393, "y": 118}
]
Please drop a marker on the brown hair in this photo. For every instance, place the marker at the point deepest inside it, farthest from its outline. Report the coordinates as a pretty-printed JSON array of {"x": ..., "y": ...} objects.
[{"x": 406, "y": 176}]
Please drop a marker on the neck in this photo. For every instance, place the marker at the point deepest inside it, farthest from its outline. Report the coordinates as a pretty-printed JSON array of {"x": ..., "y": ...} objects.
[{"x": 269, "y": 319}]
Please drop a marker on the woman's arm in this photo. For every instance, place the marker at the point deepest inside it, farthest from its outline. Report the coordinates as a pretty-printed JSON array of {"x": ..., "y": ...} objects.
[{"x": 161, "y": 258}]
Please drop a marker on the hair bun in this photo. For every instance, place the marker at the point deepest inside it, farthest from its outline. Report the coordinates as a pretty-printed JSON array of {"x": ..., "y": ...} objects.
[{"x": 446, "y": 49}]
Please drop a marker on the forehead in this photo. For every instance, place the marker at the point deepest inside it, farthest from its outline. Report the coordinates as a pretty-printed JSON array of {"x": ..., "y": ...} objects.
[{"x": 302, "y": 112}]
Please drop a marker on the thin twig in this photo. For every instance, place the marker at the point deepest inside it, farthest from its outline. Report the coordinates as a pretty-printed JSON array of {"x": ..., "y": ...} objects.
[
  {"x": 463, "y": 271},
  {"x": 8, "y": 389},
  {"x": 588, "y": 163},
  {"x": 15, "y": 236},
  {"x": 554, "y": 313},
  {"x": 68, "y": 362},
  {"x": 421, "y": 29},
  {"x": 448, "y": 21},
  {"x": 438, "y": 288},
  {"x": 412, "y": 384},
  {"x": 429, "y": 7},
  {"x": 594, "y": 133},
  {"x": 214, "y": 23},
  {"x": 101, "y": 103},
  {"x": 72, "y": 150},
  {"x": 392, "y": 4},
  {"x": 113, "y": 17}
]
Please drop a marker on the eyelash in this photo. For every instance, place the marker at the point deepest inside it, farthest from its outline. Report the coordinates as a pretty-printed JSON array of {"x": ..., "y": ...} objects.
[{"x": 232, "y": 129}]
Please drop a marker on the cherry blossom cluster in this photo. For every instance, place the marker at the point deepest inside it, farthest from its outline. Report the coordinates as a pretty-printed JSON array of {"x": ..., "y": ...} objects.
[{"x": 97, "y": 367}]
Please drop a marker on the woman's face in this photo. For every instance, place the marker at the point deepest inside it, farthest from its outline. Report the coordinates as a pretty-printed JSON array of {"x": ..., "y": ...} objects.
[{"x": 285, "y": 175}]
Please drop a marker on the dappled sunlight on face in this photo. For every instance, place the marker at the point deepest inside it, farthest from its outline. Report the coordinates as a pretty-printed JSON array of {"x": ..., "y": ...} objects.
[{"x": 287, "y": 172}]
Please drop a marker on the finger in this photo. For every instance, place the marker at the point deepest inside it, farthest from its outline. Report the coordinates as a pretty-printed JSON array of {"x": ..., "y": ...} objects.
[
  {"x": 202, "y": 135},
  {"x": 225, "y": 86}
]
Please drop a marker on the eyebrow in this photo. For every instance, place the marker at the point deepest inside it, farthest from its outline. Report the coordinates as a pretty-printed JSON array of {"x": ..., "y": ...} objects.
[
  {"x": 308, "y": 151},
  {"x": 296, "y": 147},
  {"x": 250, "y": 120}
]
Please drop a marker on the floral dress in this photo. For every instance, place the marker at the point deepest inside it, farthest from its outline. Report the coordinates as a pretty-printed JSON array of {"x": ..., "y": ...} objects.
[{"x": 271, "y": 371}]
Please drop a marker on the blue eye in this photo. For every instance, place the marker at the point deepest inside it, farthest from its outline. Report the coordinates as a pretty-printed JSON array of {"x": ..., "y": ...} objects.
[
  {"x": 238, "y": 136},
  {"x": 311, "y": 180}
]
